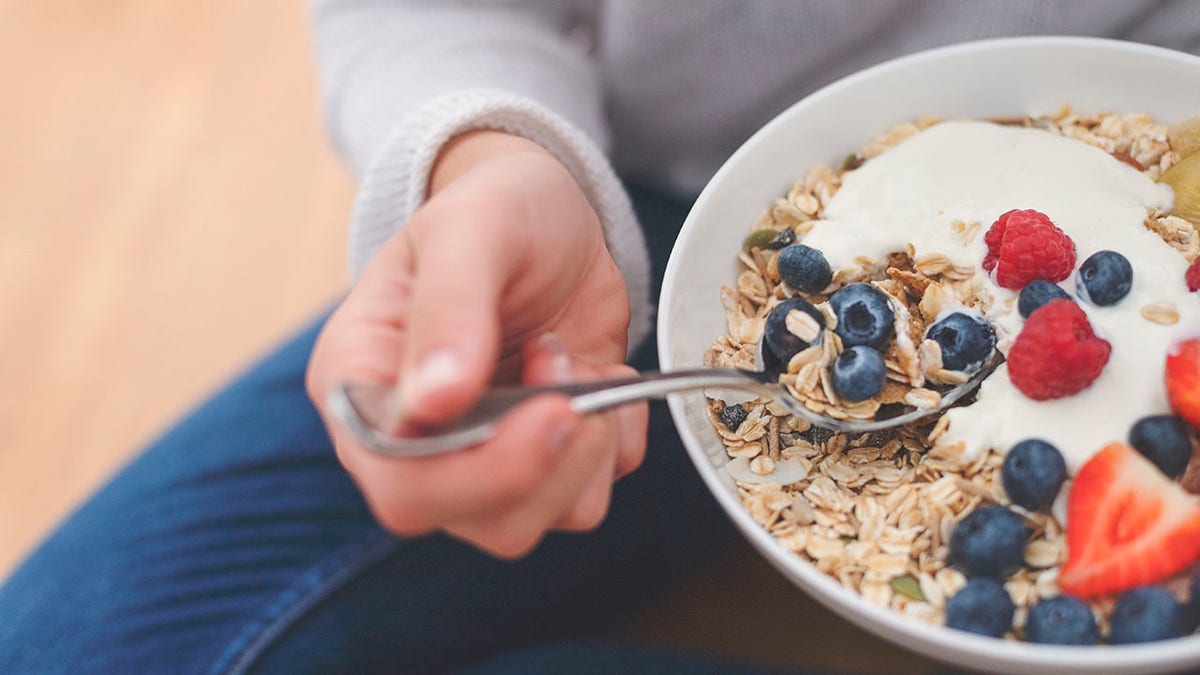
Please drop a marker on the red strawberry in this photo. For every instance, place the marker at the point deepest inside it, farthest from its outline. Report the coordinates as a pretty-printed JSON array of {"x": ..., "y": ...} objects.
[
  {"x": 1056, "y": 353},
  {"x": 1128, "y": 525},
  {"x": 1182, "y": 374},
  {"x": 1192, "y": 276},
  {"x": 1026, "y": 245}
]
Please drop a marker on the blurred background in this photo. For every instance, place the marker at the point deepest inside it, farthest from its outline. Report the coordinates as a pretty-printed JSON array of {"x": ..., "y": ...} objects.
[{"x": 169, "y": 210}]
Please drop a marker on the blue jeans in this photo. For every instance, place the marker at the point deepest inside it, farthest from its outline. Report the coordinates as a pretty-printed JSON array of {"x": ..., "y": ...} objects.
[{"x": 236, "y": 543}]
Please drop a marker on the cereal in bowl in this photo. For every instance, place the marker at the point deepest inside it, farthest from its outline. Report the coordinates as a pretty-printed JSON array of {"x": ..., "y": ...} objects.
[{"x": 1057, "y": 505}]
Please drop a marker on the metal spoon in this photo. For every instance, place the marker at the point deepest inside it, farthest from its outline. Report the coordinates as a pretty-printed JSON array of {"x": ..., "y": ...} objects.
[{"x": 364, "y": 409}]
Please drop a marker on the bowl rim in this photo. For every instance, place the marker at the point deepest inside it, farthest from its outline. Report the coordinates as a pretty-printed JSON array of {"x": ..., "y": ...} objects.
[{"x": 884, "y": 622}]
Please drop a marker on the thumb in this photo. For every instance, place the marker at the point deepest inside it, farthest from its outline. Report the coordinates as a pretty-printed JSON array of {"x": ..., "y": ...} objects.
[{"x": 454, "y": 320}]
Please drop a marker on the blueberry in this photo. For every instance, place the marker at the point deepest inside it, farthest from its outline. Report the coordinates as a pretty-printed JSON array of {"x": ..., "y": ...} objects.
[
  {"x": 864, "y": 316},
  {"x": 967, "y": 340},
  {"x": 732, "y": 416},
  {"x": 1037, "y": 293},
  {"x": 1164, "y": 440},
  {"x": 858, "y": 373},
  {"x": 1062, "y": 621},
  {"x": 786, "y": 237},
  {"x": 1146, "y": 614},
  {"x": 989, "y": 542},
  {"x": 779, "y": 339},
  {"x": 982, "y": 607},
  {"x": 804, "y": 268},
  {"x": 1104, "y": 278},
  {"x": 1033, "y": 471},
  {"x": 771, "y": 363}
]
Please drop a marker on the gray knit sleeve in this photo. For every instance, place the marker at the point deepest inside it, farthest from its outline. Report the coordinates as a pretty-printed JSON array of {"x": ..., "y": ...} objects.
[{"x": 399, "y": 79}]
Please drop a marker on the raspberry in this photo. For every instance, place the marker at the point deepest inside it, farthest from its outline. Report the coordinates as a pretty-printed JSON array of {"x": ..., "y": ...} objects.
[
  {"x": 1192, "y": 276},
  {"x": 1025, "y": 245},
  {"x": 1056, "y": 354}
]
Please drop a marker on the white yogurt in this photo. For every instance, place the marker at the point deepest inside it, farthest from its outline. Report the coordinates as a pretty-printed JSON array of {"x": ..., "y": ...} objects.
[{"x": 975, "y": 171}]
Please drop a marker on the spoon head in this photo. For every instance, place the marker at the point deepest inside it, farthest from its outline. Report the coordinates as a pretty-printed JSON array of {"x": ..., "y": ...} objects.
[{"x": 770, "y": 367}]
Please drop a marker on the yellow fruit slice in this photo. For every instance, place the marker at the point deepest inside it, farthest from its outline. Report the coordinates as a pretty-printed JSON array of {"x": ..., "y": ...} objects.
[
  {"x": 1184, "y": 179},
  {"x": 1185, "y": 137}
]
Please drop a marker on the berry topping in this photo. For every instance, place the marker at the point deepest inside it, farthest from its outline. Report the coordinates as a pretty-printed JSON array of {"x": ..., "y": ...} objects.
[
  {"x": 989, "y": 542},
  {"x": 1037, "y": 293},
  {"x": 1056, "y": 354},
  {"x": 1145, "y": 615},
  {"x": 858, "y": 373},
  {"x": 1025, "y": 245},
  {"x": 967, "y": 340},
  {"x": 784, "y": 343},
  {"x": 1127, "y": 525},
  {"x": 1033, "y": 471},
  {"x": 982, "y": 607},
  {"x": 1061, "y": 621},
  {"x": 732, "y": 416},
  {"x": 804, "y": 268},
  {"x": 864, "y": 316},
  {"x": 1104, "y": 278},
  {"x": 1182, "y": 374},
  {"x": 1192, "y": 276},
  {"x": 1165, "y": 441}
]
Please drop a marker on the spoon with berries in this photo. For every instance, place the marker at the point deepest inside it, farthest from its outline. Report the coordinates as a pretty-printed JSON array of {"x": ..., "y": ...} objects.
[{"x": 794, "y": 345}]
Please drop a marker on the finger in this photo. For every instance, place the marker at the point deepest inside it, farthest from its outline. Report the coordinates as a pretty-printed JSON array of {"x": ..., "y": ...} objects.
[
  {"x": 590, "y": 454},
  {"x": 591, "y": 506},
  {"x": 627, "y": 422},
  {"x": 516, "y": 531},
  {"x": 463, "y": 264},
  {"x": 632, "y": 423},
  {"x": 363, "y": 340},
  {"x": 412, "y": 495}
]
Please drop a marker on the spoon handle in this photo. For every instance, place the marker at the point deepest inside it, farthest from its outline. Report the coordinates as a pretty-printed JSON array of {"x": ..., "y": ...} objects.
[{"x": 363, "y": 408}]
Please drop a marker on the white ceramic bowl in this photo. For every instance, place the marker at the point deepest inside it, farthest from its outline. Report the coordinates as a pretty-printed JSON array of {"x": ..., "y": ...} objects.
[{"x": 979, "y": 79}]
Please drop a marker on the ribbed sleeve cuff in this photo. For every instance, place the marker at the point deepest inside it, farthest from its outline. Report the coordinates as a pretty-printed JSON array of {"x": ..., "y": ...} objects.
[{"x": 394, "y": 184}]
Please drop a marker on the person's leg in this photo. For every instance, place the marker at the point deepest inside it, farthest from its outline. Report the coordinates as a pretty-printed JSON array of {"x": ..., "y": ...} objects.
[
  {"x": 199, "y": 548},
  {"x": 237, "y": 543}
]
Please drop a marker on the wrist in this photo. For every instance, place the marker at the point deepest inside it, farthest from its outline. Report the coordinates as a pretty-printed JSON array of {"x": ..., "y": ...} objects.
[{"x": 470, "y": 148}]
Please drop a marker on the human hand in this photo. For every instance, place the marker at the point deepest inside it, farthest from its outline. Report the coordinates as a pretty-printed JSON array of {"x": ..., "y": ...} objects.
[{"x": 503, "y": 275}]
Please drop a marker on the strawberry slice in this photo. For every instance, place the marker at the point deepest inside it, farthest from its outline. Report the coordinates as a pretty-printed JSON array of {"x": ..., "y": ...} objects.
[
  {"x": 1128, "y": 525},
  {"x": 1183, "y": 379}
]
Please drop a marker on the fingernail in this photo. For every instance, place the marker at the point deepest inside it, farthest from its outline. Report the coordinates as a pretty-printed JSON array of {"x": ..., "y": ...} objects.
[
  {"x": 560, "y": 364},
  {"x": 436, "y": 371}
]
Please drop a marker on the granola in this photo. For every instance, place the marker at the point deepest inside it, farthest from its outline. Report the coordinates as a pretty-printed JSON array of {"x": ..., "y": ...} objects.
[{"x": 876, "y": 511}]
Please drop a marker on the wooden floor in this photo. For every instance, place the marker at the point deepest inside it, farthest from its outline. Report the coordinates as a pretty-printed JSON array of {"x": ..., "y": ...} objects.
[{"x": 169, "y": 209}]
